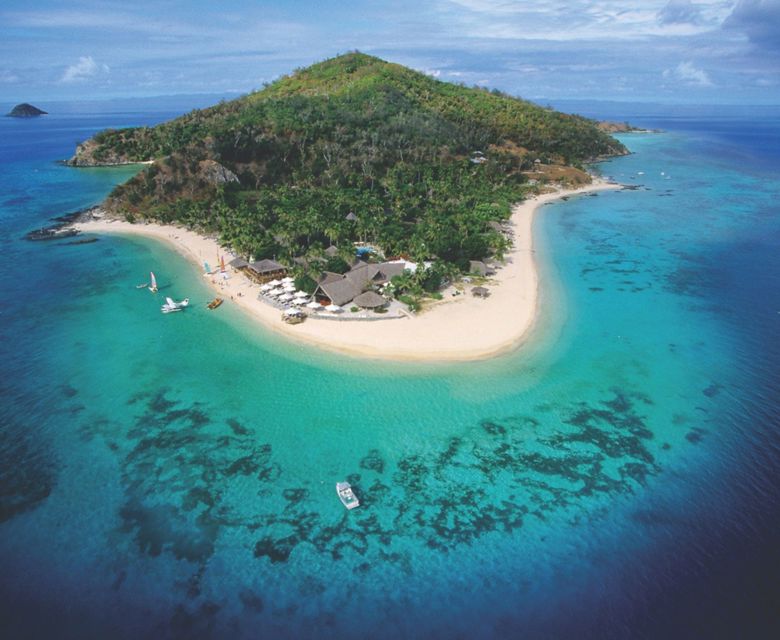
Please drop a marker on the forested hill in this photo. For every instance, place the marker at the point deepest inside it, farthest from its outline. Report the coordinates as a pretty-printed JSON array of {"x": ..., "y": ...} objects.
[{"x": 423, "y": 166}]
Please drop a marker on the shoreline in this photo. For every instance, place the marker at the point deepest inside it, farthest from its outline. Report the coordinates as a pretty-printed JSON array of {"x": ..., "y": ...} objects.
[{"x": 458, "y": 329}]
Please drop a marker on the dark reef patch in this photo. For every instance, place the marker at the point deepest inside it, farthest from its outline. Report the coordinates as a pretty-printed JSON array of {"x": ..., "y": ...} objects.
[
  {"x": 237, "y": 428},
  {"x": 695, "y": 435},
  {"x": 27, "y": 473},
  {"x": 251, "y": 601},
  {"x": 180, "y": 469},
  {"x": 712, "y": 390},
  {"x": 373, "y": 462}
]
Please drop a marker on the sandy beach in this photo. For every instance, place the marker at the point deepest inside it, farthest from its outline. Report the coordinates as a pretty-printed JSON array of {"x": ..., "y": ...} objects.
[{"x": 459, "y": 328}]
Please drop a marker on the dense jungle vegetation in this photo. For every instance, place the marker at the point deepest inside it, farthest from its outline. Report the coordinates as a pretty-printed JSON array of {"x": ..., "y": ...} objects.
[{"x": 350, "y": 149}]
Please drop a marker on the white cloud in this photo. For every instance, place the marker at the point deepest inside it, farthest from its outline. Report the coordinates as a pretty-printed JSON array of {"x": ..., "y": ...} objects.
[
  {"x": 8, "y": 77},
  {"x": 564, "y": 20},
  {"x": 688, "y": 74},
  {"x": 84, "y": 69}
]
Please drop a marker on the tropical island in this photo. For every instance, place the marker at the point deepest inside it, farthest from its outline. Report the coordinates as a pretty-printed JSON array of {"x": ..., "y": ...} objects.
[
  {"x": 358, "y": 176},
  {"x": 25, "y": 110}
]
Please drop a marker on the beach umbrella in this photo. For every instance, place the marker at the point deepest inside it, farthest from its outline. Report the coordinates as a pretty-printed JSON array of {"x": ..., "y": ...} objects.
[
  {"x": 275, "y": 283},
  {"x": 314, "y": 305},
  {"x": 290, "y": 288},
  {"x": 333, "y": 308},
  {"x": 275, "y": 292},
  {"x": 292, "y": 312},
  {"x": 285, "y": 297},
  {"x": 265, "y": 287},
  {"x": 301, "y": 294},
  {"x": 288, "y": 279}
]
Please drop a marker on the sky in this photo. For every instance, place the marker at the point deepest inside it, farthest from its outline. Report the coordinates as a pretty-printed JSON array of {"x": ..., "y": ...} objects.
[{"x": 671, "y": 51}]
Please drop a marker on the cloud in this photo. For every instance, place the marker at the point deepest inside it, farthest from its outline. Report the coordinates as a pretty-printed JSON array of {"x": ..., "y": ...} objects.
[
  {"x": 565, "y": 20},
  {"x": 84, "y": 69},
  {"x": 680, "y": 12},
  {"x": 8, "y": 77},
  {"x": 759, "y": 20},
  {"x": 686, "y": 73}
]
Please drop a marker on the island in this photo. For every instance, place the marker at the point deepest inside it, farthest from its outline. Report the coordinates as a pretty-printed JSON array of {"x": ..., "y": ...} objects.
[
  {"x": 380, "y": 193},
  {"x": 25, "y": 110}
]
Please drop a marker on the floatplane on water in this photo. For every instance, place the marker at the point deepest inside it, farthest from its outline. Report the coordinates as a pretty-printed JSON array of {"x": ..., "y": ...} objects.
[{"x": 171, "y": 305}]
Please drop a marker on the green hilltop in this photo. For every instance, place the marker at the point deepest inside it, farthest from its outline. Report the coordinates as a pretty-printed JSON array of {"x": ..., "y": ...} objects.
[{"x": 425, "y": 168}]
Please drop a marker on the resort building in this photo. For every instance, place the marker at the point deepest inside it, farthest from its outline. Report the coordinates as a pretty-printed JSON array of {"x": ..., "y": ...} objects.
[
  {"x": 334, "y": 288},
  {"x": 238, "y": 264},
  {"x": 264, "y": 270}
]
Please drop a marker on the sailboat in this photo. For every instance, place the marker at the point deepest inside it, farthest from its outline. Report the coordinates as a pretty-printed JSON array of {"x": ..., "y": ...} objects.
[
  {"x": 222, "y": 264},
  {"x": 206, "y": 269},
  {"x": 153, "y": 285}
]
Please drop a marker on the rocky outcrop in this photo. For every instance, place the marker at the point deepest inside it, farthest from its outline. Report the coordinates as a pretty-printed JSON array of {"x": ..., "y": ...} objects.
[
  {"x": 25, "y": 110},
  {"x": 216, "y": 174},
  {"x": 92, "y": 154}
]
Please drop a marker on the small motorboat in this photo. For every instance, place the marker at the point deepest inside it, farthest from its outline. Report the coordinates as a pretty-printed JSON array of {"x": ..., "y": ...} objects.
[
  {"x": 346, "y": 495},
  {"x": 214, "y": 303}
]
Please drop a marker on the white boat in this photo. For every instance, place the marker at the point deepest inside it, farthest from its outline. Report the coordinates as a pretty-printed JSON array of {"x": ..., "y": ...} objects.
[
  {"x": 153, "y": 282},
  {"x": 346, "y": 495},
  {"x": 171, "y": 305}
]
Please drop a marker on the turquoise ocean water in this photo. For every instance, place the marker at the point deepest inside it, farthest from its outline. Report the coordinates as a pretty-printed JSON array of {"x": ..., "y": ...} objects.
[{"x": 173, "y": 476}]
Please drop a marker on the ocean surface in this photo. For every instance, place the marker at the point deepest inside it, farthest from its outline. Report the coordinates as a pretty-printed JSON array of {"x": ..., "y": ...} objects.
[{"x": 619, "y": 477}]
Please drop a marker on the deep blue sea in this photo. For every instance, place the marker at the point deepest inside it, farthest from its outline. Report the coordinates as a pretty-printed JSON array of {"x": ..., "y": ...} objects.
[{"x": 618, "y": 477}]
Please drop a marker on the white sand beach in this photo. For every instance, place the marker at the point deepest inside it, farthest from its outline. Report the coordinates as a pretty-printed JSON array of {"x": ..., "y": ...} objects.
[{"x": 457, "y": 329}]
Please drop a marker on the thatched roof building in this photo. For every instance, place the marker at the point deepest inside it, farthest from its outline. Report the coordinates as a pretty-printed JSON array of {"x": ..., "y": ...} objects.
[
  {"x": 341, "y": 289},
  {"x": 238, "y": 263},
  {"x": 262, "y": 267},
  {"x": 338, "y": 292},
  {"x": 262, "y": 270},
  {"x": 370, "y": 300}
]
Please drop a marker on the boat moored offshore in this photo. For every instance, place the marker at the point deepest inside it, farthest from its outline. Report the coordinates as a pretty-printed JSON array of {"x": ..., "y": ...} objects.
[{"x": 346, "y": 495}]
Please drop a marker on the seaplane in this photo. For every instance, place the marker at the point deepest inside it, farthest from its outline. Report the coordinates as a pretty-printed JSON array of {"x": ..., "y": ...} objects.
[{"x": 171, "y": 305}]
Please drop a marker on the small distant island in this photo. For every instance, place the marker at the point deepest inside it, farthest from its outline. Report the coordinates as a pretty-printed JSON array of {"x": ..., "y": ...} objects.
[
  {"x": 354, "y": 168},
  {"x": 25, "y": 110}
]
